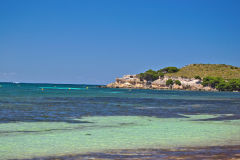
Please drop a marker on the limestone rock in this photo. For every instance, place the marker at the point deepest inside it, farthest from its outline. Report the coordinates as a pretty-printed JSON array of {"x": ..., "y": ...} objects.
[{"x": 132, "y": 81}]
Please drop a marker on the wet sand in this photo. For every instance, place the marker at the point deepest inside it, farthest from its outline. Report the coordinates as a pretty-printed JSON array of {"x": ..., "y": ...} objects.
[{"x": 190, "y": 153}]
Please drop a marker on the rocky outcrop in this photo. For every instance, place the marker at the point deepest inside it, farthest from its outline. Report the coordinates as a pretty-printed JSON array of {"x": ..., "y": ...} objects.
[
  {"x": 129, "y": 81},
  {"x": 132, "y": 81}
]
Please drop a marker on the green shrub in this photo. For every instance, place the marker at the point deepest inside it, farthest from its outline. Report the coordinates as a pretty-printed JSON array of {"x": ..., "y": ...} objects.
[
  {"x": 233, "y": 67},
  {"x": 150, "y": 75},
  {"x": 169, "y": 70},
  {"x": 197, "y": 77},
  {"x": 160, "y": 74},
  {"x": 235, "y": 84},
  {"x": 177, "y": 82},
  {"x": 212, "y": 81},
  {"x": 222, "y": 85},
  {"x": 169, "y": 82}
]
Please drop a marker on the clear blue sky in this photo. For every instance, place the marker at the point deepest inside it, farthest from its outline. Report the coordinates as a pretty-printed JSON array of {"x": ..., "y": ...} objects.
[{"x": 92, "y": 42}]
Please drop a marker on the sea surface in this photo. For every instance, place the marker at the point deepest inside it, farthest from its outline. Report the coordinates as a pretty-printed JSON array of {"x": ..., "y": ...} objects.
[{"x": 40, "y": 121}]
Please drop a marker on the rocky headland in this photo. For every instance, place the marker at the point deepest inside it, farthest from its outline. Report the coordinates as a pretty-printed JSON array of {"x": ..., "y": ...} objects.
[
  {"x": 196, "y": 77},
  {"x": 132, "y": 81}
]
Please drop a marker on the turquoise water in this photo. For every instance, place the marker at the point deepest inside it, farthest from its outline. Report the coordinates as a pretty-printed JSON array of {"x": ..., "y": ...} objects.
[{"x": 41, "y": 120}]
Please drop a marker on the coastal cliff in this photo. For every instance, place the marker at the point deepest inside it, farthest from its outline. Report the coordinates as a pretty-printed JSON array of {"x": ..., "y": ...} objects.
[{"x": 132, "y": 81}]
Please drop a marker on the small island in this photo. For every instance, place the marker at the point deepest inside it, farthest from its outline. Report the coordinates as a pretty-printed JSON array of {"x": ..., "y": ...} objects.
[{"x": 196, "y": 77}]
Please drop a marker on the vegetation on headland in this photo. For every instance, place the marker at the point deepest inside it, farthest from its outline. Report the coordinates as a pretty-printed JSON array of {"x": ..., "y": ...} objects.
[
  {"x": 177, "y": 82},
  {"x": 169, "y": 70},
  {"x": 198, "y": 77},
  {"x": 224, "y": 71},
  {"x": 169, "y": 82},
  {"x": 221, "y": 84},
  {"x": 151, "y": 75},
  {"x": 220, "y": 76}
]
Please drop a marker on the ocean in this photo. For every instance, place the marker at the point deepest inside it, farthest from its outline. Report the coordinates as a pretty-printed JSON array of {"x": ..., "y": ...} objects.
[{"x": 69, "y": 121}]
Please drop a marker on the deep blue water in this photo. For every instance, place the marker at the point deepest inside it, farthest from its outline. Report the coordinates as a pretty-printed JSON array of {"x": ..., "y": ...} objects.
[{"x": 24, "y": 102}]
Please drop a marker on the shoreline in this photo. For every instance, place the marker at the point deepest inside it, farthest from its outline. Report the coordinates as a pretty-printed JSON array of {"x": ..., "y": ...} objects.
[
  {"x": 105, "y": 86},
  {"x": 171, "y": 83},
  {"x": 162, "y": 83}
]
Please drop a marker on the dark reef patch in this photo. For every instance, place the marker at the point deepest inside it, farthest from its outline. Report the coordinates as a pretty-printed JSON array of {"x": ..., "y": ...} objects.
[{"x": 206, "y": 153}]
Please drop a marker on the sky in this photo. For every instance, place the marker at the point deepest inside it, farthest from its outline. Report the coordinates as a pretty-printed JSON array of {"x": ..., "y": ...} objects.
[{"x": 93, "y": 42}]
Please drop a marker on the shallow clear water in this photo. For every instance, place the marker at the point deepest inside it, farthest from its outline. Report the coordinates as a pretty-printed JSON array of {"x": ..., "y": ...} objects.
[{"x": 38, "y": 120}]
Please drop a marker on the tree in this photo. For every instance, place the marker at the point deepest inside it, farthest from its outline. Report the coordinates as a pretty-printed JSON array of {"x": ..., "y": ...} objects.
[
  {"x": 169, "y": 70},
  {"x": 234, "y": 84},
  {"x": 160, "y": 74},
  {"x": 198, "y": 77},
  {"x": 177, "y": 82},
  {"x": 169, "y": 82},
  {"x": 149, "y": 75},
  {"x": 212, "y": 81},
  {"x": 221, "y": 84}
]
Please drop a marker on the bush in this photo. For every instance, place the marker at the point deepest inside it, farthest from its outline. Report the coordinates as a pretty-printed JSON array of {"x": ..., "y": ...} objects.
[
  {"x": 234, "y": 84},
  {"x": 169, "y": 82},
  {"x": 233, "y": 67},
  {"x": 177, "y": 82},
  {"x": 222, "y": 85},
  {"x": 212, "y": 81},
  {"x": 150, "y": 75},
  {"x": 160, "y": 74},
  {"x": 198, "y": 77},
  {"x": 169, "y": 70}
]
